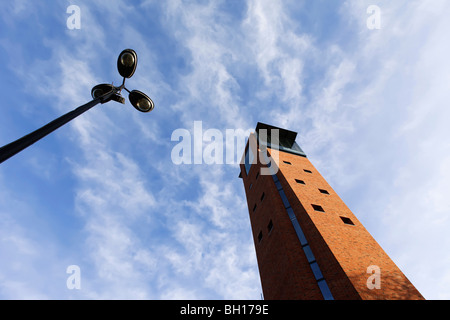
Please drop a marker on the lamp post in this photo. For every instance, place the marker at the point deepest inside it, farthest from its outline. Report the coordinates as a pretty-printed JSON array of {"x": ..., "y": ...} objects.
[{"x": 102, "y": 93}]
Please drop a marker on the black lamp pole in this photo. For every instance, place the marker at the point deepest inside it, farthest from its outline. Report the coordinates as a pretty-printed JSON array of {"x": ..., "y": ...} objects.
[
  {"x": 101, "y": 94},
  {"x": 11, "y": 149}
]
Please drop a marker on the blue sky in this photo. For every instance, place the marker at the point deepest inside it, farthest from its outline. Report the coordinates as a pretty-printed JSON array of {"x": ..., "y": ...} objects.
[{"x": 102, "y": 193}]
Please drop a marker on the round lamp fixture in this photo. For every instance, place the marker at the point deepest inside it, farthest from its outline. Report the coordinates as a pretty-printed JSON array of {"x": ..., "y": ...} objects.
[
  {"x": 127, "y": 63},
  {"x": 100, "y": 90},
  {"x": 141, "y": 101},
  {"x": 127, "y": 59}
]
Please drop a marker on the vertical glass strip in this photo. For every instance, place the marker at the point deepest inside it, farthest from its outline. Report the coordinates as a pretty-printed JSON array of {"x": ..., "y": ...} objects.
[
  {"x": 299, "y": 231},
  {"x": 275, "y": 178},
  {"x": 316, "y": 270},
  {"x": 309, "y": 254},
  {"x": 326, "y": 293},
  {"x": 284, "y": 198},
  {"x": 248, "y": 159},
  {"x": 278, "y": 184},
  {"x": 291, "y": 213},
  {"x": 323, "y": 286}
]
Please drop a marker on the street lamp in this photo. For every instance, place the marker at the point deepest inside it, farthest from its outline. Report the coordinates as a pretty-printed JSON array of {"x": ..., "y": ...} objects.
[
  {"x": 102, "y": 93},
  {"x": 127, "y": 62}
]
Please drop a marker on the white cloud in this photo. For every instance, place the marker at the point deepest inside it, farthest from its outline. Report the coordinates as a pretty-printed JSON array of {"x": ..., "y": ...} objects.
[
  {"x": 371, "y": 114},
  {"x": 385, "y": 134},
  {"x": 218, "y": 258},
  {"x": 30, "y": 262},
  {"x": 210, "y": 91},
  {"x": 280, "y": 55}
]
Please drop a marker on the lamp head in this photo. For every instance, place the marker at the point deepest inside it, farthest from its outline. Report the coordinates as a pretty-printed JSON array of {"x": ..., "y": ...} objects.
[
  {"x": 101, "y": 89},
  {"x": 107, "y": 92},
  {"x": 141, "y": 101},
  {"x": 127, "y": 63}
]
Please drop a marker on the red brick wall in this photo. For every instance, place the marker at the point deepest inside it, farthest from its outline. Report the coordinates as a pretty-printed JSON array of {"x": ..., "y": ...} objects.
[
  {"x": 343, "y": 252},
  {"x": 284, "y": 271}
]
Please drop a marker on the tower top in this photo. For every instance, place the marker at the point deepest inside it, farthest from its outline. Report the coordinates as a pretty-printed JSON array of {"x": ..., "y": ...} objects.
[
  {"x": 309, "y": 245},
  {"x": 278, "y": 138}
]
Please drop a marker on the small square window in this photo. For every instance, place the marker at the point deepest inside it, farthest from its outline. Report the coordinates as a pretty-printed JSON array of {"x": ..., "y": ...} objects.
[
  {"x": 270, "y": 226},
  {"x": 254, "y": 208},
  {"x": 308, "y": 171},
  {"x": 287, "y": 162},
  {"x": 324, "y": 191},
  {"x": 347, "y": 221},
  {"x": 299, "y": 181},
  {"x": 262, "y": 197},
  {"x": 318, "y": 208},
  {"x": 260, "y": 236}
]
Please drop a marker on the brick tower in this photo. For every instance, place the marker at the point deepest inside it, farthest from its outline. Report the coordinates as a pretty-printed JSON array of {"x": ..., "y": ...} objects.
[{"x": 308, "y": 244}]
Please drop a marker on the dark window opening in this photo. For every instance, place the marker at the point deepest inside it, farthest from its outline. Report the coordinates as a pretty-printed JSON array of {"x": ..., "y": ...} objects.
[
  {"x": 324, "y": 191},
  {"x": 262, "y": 197},
  {"x": 254, "y": 208},
  {"x": 318, "y": 208},
  {"x": 287, "y": 162},
  {"x": 300, "y": 181},
  {"x": 347, "y": 221},
  {"x": 270, "y": 226},
  {"x": 257, "y": 175},
  {"x": 306, "y": 170},
  {"x": 260, "y": 236},
  {"x": 250, "y": 187}
]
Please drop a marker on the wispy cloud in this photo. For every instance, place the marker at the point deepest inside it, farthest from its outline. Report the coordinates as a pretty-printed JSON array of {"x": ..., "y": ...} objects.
[
  {"x": 385, "y": 131},
  {"x": 369, "y": 106}
]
